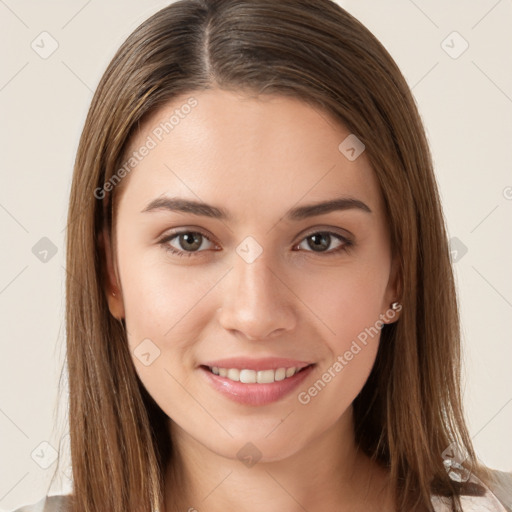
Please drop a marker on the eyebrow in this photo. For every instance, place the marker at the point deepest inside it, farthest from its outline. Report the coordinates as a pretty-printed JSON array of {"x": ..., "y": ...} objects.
[{"x": 176, "y": 204}]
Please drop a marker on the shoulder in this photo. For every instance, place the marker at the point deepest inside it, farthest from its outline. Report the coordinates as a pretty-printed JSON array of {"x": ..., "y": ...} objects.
[
  {"x": 57, "y": 503},
  {"x": 496, "y": 498}
]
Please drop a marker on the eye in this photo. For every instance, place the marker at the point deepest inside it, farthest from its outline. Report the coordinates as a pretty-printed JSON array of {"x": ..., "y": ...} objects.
[
  {"x": 321, "y": 240},
  {"x": 188, "y": 242}
]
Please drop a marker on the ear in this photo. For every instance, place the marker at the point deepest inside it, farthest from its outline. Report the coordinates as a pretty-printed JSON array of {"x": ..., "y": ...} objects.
[
  {"x": 393, "y": 293},
  {"x": 109, "y": 277}
]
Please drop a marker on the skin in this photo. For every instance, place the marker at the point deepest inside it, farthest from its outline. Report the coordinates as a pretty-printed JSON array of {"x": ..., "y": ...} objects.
[{"x": 257, "y": 157}]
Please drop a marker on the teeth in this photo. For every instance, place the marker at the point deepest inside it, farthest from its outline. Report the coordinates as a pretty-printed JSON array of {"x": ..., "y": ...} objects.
[{"x": 253, "y": 376}]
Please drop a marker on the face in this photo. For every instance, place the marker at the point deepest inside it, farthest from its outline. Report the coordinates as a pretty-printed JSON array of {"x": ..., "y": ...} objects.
[{"x": 255, "y": 276}]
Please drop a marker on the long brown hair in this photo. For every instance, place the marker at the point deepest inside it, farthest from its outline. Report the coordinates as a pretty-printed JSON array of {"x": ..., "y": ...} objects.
[{"x": 409, "y": 410}]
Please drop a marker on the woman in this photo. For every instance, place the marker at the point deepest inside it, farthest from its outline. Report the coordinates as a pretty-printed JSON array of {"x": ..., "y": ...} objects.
[{"x": 261, "y": 312}]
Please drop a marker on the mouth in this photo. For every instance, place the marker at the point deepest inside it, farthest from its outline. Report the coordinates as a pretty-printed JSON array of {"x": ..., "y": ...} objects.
[{"x": 255, "y": 387}]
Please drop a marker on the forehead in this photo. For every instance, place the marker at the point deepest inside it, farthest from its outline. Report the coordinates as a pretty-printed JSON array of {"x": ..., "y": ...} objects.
[{"x": 251, "y": 154}]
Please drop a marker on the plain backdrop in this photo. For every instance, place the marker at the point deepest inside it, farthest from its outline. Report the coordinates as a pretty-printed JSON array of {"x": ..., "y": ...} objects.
[{"x": 456, "y": 58}]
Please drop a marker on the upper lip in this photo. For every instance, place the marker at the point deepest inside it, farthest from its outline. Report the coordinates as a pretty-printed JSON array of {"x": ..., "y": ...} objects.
[{"x": 268, "y": 363}]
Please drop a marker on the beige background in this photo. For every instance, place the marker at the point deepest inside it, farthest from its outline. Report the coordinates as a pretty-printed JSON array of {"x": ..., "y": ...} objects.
[{"x": 466, "y": 105}]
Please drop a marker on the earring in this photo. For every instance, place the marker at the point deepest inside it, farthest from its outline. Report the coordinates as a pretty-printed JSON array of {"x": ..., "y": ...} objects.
[
  {"x": 395, "y": 305},
  {"x": 114, "y": 294}
]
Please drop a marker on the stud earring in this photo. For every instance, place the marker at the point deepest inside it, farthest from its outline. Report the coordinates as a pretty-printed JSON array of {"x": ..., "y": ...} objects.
[{"x": 396, "y": 305}]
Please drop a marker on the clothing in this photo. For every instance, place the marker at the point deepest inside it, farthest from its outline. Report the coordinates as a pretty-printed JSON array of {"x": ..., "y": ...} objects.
[
  {"x": 499, "y": 500},
  {"x": 47, "y": 504}
]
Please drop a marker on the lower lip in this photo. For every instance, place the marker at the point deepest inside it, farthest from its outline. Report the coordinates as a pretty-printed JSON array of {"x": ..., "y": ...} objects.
[{"x": 255, "y": 394}]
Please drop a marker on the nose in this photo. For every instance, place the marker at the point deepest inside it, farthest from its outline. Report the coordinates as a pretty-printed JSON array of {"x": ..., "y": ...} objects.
[{"x": 256, "y": 301}]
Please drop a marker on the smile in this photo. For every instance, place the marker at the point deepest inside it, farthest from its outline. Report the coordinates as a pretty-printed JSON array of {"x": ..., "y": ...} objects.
[{"x": 255, "y": 387}]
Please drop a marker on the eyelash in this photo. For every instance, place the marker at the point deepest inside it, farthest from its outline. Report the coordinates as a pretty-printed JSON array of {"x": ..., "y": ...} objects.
[{"x": 346, "y": 247}]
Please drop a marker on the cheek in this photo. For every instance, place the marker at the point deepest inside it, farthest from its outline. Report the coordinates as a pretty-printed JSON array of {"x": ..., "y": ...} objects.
[
  {"x": 350, "y": 314},
  {"x": 164, "y": 318},
  {"x": 167, "y": 308},
  {"x": 348, "y": 304},
  {"x": 160, "y": 298},
  {"x": 346, "y": 300}
]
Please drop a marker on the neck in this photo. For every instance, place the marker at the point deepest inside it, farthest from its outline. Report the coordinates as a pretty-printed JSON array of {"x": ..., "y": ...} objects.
[{"x": 327, "y": 474}]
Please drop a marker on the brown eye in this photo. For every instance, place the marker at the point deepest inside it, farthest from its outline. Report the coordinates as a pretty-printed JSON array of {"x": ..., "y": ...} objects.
[
  {"x": 320, "y": 242},
  {"x": 185, "y": 243}
]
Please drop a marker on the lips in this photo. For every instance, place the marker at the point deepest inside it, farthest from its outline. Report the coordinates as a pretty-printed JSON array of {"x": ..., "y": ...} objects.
[{"x": 263, "y": 391}]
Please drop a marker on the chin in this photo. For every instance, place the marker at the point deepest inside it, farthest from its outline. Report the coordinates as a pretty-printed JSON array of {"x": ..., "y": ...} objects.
[{"x": 254, "y": 447}]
